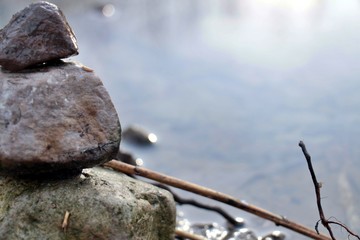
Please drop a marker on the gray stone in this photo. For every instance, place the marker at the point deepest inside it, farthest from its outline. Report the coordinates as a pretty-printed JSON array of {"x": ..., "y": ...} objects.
[
  {"x": 102, "y": 204},
  {"x": 37, "y": 34},
  {"x": 55, "y": 119}
]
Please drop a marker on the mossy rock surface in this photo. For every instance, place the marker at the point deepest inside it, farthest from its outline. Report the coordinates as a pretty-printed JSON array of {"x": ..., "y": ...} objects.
[{"x": 102, "y": 204}]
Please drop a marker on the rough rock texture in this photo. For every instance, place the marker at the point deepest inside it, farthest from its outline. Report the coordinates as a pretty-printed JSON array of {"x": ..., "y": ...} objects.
[
  {"x": 102, "y": 204},
  {"x": 37, "y": 34},
  {"x": 55, "y": 119}
]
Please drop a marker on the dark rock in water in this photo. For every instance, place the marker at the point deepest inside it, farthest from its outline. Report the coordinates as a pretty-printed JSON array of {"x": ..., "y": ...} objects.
[
  {"x": 37, "y": 34},
  {"x": 139, "y": 136},
  {"x": 55, "y": 119},
  {"x": 126, "y": 158}
]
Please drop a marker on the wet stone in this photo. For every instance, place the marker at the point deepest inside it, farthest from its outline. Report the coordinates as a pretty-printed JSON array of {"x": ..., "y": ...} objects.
[
  {"x": 139, "y": 136},
  {"x": 57, "y": 119},
  {"x": 37, "y": 34}
]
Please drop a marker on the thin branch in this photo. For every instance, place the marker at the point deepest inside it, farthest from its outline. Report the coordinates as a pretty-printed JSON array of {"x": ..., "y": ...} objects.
[
  {"x": 317, "y": 186},
  {"x": 128, "y": 158},
  {"x": 221, "y": 197},
  {"x": 345, "y": 227},
  {"x": 65, "y": 222},
  {"x": 183, "y": 201},
  {"x": 188, "y": 235},
  {"x": 326, "y": 223}
]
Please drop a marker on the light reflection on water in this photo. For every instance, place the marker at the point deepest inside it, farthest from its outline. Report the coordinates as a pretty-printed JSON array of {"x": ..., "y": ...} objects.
[{"x": 230, "y": 87}]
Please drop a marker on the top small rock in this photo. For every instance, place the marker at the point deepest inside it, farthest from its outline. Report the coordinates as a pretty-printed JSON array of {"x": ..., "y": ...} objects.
[{"x": 37, "y": 34}]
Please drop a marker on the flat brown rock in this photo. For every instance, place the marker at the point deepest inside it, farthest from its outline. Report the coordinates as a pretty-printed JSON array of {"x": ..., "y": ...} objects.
[
  {"x": 37, "y": 34},
  {"x": 55, "y": 119}
]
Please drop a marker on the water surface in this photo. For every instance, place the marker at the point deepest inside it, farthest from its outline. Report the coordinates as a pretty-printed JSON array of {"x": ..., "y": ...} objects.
[{"x": 230, "y": 88}]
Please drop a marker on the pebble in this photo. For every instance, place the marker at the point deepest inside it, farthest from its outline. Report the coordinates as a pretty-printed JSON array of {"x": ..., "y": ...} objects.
[{"x": 215, "y": 231}]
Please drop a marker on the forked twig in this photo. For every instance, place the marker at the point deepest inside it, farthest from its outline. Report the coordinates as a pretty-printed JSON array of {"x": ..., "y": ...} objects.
[
  {"x": 221, "y": 197},
  {"x": 326, "y": 223},
  {"x": 346, "y": 228}
]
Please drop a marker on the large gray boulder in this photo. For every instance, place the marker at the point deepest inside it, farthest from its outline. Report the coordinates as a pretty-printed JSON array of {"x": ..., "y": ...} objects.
[
  {"x": 102, "y": 204},
  {"x": 37, "y": 34},
  {"x": 55, "y": 120}
]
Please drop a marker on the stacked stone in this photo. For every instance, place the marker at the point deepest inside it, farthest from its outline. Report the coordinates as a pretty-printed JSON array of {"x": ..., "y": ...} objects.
[
  {"x": 55, "y": 117},
  {"x": 36, "y": 35}
]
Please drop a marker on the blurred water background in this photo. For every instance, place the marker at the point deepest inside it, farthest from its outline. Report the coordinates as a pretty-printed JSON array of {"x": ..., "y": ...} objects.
[{"x": 230, "y": 87}]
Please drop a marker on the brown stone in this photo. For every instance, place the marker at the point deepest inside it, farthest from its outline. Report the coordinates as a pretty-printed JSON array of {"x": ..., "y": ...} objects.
[
  {"x": 37, "y": 34},
  {"x": 55, "y": 119}
]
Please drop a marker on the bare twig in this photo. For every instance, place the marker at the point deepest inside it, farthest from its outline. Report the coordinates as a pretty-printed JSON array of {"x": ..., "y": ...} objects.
[
  {"x": 65, "y": 222},
  {"x": 209, "y": 193},
  {"x": 188, "y": 235},
  {"x": 326, "y": 223},
  {"x": 345, "y": 227},
  {"x": 183, "y": 201}
]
